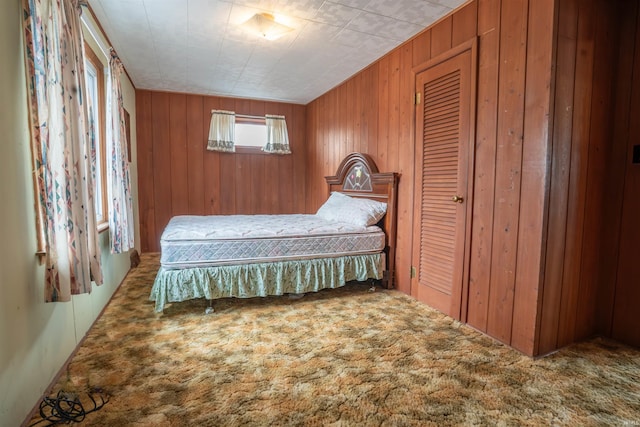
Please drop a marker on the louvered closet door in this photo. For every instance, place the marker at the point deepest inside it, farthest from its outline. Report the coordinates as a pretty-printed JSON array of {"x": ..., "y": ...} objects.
[{"x": 443, "y": 135}]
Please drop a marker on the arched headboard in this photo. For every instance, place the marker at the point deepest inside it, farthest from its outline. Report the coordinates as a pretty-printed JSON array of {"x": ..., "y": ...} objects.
[{"x": 358, "y": 176}]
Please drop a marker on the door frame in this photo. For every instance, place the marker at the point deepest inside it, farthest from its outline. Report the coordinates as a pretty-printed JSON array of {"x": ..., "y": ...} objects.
[{"x": 471, "y": 45}]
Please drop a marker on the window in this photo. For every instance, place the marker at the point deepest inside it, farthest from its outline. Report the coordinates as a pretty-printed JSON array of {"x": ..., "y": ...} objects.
[
  {"x": 251, "y": 135},
  {"x": 230, "y": 132},
  {"x": 94, "y": 75}
]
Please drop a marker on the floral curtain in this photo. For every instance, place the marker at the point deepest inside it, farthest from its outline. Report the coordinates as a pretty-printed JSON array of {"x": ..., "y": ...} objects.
[
  {"x": 277, "y": 136},
  {"x": 61, "y": 146},
  {"x": 222, "y": 131},
  {"x": 118, "y": 184}
]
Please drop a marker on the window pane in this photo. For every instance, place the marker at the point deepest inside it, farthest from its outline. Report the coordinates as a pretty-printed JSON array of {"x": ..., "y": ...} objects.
[
  {"x": 251, "y": 134},
  {"x": 94, "y": 111}
]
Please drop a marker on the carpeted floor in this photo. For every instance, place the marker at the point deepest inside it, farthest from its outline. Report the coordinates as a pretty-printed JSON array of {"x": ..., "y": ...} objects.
[{"x": 341, "y": 357}]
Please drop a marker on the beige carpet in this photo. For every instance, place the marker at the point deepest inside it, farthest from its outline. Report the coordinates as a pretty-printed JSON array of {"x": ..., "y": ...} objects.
[{"x": 342, "y": 357}]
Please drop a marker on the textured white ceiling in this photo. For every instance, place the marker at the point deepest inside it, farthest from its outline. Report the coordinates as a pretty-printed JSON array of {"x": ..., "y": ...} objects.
[{"x": 197, "y": 46}]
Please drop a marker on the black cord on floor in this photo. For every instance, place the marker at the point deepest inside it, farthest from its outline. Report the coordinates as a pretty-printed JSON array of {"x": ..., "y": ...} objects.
[{"x": 66, "y": 407}]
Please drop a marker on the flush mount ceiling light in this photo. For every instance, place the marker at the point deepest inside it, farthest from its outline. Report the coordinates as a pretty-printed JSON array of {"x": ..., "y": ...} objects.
[{"x": 265, "y": 25}]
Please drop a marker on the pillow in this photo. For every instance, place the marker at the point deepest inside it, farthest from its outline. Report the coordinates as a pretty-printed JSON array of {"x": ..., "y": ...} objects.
[{"x": 358, "y": 211}]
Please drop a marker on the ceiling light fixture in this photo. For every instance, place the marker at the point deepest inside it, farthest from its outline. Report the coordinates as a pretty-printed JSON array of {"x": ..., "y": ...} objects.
[{"x": 265, "y": 25}]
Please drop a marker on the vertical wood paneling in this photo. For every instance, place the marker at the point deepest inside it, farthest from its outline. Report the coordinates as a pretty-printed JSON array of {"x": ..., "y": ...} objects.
[
  {"x": 179, "y": 176},
  {"x": 586, "y": 194},
  {"x": 484, "y": 177},
  {"x": 441, "y": 36},
  {"x": 227, "y": 166},
  {"x": 384, "y": 76},
  {"x": 358, "y": 112},
  {"x": 615, "y": 180},
  {"x": 372, "y": 103},
  {"x": 421, "y": 46},
  {"x": 535, "y": 174},
  {"x": 596, "y": 268},
  {"x": 393, "y": 119},
  {"x": 196, "y": 141},
  {"x": 560, "y": 166},
  {"x": 345, "y": 110},
  {"x": 622, "y": 315},
  {"x": 464, "y": 24},
  {"x": 578, "y": 173},
  {"x": 144, "y": 133},
  {"x": 536, "y": 227},
  {"x": 211, "y": 161},
  {"x": 257, "y": 169},
  {"x": 161, "y": 162},
  {"x": 404, "y": 238},
  {"x": 178, "y": 149},
  {"x": 627, "y": 292},
  {"x": 296, "y": 164},
  {"x": 511, "y": 86},
  {"x": 276, "y": 173},
  {"x": 243, "y": 170}
]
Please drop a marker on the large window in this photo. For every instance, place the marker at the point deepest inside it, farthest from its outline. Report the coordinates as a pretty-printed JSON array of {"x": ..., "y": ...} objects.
[{"x": 94, "y": 75}]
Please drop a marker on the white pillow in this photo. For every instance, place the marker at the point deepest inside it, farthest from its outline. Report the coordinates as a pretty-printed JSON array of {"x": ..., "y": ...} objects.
[{"x": 356, "y": 210}]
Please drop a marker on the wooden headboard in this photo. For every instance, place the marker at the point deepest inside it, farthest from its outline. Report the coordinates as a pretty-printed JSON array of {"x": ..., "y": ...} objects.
[{"x": 358, "y": 176}]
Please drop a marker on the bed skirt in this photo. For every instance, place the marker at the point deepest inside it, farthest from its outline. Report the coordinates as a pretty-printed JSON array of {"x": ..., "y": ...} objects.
[{"x": 263, "y": 279}]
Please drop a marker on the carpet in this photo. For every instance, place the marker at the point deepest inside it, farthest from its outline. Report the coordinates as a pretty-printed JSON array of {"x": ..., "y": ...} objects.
[{"x": 339, "y": 357}]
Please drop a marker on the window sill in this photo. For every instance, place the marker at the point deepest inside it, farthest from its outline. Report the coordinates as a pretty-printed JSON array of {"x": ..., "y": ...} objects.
[
  {"x": 255, "y": 150},
  {"x": 249, "y": 150},
  {"x": 102, "y": 227}
]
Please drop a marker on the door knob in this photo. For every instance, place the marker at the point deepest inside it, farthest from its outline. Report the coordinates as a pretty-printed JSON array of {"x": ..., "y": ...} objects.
[{"x": 457, "y": 199}]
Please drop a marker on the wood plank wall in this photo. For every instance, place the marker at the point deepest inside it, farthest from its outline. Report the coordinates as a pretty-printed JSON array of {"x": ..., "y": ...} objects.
[
  {"x": 625, "y": 325},
  {"x": 177, "y": 175},
  {"x": 514, "y": 80},
  {"x": 554, "y": 242},
  {"x": 591, "y": 145},
  {"x": 373, "y": 112}
]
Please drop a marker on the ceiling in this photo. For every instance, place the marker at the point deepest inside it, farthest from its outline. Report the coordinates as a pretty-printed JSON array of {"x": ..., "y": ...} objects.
[{"x": 197, "y": 46}]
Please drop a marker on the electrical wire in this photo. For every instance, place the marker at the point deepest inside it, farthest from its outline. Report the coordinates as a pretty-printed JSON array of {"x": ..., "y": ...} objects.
[{"x": 66, "y": 407}]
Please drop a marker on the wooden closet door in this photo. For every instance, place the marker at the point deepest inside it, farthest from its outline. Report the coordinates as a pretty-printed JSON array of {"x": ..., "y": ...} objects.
[{"x": 444, "y": 147}]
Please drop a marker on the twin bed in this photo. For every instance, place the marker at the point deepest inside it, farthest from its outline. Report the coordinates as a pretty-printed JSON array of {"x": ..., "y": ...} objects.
[{"x": 351, "y": 237}]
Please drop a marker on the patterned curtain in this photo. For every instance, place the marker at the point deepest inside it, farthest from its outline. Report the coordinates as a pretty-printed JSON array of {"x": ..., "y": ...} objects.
[
  {"x": 118, "y": 184},
  {"x": 277, "y": 136},
  {"x": 222, "y": 131},
  {"x": 61, "y": 146}
]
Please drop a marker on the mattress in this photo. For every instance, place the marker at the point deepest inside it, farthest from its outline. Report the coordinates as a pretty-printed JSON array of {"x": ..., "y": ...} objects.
[{"x": 206, "y": 241}]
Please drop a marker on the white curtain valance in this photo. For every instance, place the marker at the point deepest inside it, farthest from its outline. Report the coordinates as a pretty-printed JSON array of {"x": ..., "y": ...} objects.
[
  {"x": 222, "y": 131},
  {"x": 277, "y": 136}
]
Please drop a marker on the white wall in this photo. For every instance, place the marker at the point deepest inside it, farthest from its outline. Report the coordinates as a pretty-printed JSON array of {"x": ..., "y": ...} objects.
[{"x": 35, "y": 338}]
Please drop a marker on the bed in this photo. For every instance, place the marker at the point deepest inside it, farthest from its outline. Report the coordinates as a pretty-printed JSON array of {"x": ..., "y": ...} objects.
[{"x": 351, "y": 237}]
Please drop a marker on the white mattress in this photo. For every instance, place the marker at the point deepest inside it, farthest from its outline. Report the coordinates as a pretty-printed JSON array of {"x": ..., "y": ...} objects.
[{"x": 204, "y": 241}]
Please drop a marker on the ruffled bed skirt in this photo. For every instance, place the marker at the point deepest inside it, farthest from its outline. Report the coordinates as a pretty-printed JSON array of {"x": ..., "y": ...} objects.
[{"x": 260, "y": 280}]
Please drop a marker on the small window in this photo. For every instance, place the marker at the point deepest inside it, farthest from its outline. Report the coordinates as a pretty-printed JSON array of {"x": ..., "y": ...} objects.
[
  {"x": 94, "y": 76},
  {"x": 250, "y": 134}
]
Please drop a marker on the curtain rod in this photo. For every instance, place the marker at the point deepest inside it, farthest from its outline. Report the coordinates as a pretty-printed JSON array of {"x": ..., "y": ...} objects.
[{"x": 246, "y": 116}]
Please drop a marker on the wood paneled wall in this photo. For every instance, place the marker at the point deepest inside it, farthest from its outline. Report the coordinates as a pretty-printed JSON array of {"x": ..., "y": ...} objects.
[
  {"x": 625, "y": 324},
  {"x": 591, "y": 141},
  {"x": 554, "y": 242},
  {"x": 177, "y": 175},
  {"x": 373, "y": 112},
  {"x": 512, "y": 150}
]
